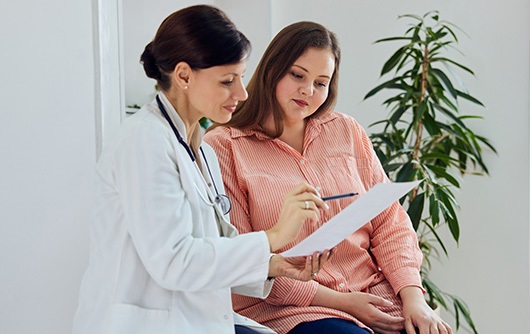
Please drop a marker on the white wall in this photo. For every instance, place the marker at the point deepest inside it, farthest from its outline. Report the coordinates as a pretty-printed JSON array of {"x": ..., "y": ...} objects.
[
  {"x": 141, "y": 19},
  {"x": 48, "y": 143}
]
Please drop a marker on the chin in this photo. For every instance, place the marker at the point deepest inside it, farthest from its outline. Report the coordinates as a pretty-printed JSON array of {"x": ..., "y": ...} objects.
[{"x": 222, "y": 120}]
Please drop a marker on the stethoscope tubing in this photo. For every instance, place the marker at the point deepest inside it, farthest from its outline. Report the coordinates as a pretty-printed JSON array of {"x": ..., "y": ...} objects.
[{"x": 218, "y": 198}]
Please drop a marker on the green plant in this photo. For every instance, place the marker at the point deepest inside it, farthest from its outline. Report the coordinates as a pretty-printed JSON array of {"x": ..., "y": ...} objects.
[
  {"x": 205, "y": 122},
  {"x": 426, "y": 137}
]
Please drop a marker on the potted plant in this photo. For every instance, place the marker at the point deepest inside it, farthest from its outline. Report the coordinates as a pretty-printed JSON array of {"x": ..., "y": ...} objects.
[{"x": 426, "y": 137}]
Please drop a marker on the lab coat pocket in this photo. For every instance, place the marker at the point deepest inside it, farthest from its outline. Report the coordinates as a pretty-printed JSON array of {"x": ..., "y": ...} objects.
[{"x": 132, "y": 319}]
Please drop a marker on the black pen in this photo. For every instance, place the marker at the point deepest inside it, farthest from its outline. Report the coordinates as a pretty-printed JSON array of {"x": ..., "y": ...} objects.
[{"x": 339, "y": 196}]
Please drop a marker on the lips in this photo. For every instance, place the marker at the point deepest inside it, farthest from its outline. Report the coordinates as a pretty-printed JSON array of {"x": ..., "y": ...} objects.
[
  {"x": 301, "y": 103},
  {"x": 231, "y": 108}
]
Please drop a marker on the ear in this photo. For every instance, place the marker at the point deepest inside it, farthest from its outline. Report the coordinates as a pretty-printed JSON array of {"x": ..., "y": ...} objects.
[{"x": 181, "y": 75}]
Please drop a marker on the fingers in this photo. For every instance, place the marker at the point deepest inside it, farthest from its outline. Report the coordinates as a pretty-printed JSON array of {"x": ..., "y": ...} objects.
[
  {"x": 445, "y": 328},
  {"x": 311, "y": 264},
  {"x": 303, "y": 188},
  {"x": 326, "y": 255},
  {"x": 409, "y": 327},
  {"x": 303, "y": 268},
  {"x": 432, "y": 328},
  {"x": 426, "y": 324},
  {"x": 315, "y": 264},
  {"x": 303, "y": 202},
  {"x": 379, "y": 301},
  {"x": 304, "y": 192},
  {"x": 376, "y": 319},
  {"x": 440, "y": 328},
  {"x": 300, "y": 206},
  {"x": 390, "y": 322},
  {"x": 318, "y": 260},
  {"x": 314, "y": 201},
  {"x": 309, "y": 206}
]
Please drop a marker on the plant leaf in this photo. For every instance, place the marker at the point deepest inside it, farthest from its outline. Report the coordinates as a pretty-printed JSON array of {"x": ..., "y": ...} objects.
[
  {"x": 443, "y": 59},
  {"x": 468, "y": 97},
  {"x": 388, "y": 84},
  {"x": 441, "y": 75},
  {"x": 398, "y": 38},
  {"x": 393, "y": 60},
  {"x": 415, "y": 210}
]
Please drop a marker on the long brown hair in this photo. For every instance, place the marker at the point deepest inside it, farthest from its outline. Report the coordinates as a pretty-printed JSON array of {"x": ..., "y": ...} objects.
[{"x": 286, "y": 47}]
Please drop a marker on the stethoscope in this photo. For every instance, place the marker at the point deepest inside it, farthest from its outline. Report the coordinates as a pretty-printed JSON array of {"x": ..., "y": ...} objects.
[{"x": 221, "y": 200}]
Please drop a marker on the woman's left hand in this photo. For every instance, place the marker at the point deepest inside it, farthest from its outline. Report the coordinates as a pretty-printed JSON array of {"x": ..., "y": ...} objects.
[
  {"x": 303, "y": 268},
  {"x": 419, "y": 316}
]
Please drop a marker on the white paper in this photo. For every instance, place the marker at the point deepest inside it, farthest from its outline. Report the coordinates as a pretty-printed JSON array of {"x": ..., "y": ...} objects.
[{"x": 351, "y": 218}]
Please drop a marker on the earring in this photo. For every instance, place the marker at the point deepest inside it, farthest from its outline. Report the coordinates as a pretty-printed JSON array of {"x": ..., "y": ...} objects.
[{"x": 186, "y": 87}]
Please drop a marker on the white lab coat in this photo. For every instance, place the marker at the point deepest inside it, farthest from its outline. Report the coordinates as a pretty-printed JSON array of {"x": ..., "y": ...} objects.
[{"x": 157, "y": 262}]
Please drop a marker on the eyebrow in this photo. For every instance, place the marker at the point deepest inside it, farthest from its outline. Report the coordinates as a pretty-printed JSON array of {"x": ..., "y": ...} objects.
[
  {"x": 304, "y": 69},
  {"x": 234, "y": 74}
]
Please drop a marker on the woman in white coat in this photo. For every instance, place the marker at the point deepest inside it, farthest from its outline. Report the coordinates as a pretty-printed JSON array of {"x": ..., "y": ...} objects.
[{"x": 164, "y": 257}]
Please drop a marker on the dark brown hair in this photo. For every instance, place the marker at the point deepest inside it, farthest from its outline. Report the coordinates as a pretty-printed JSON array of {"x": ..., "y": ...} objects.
[
  {"x": 286, "y": 47},
  {"x": 202, "y": 36}
]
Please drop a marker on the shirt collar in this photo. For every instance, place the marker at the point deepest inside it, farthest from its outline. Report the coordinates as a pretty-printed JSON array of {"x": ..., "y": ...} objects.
[{"x": 314, "y": 123}]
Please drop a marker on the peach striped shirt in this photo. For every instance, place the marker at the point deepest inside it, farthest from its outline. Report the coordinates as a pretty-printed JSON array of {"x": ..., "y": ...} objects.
[{"x": 380, "y": 258}]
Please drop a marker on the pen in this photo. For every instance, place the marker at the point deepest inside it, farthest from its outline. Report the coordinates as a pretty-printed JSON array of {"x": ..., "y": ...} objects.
[{"x": 339, "y": 196}]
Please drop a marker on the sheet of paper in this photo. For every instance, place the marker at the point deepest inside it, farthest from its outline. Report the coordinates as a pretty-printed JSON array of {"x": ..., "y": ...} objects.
[{"x": 351, "y": 218}]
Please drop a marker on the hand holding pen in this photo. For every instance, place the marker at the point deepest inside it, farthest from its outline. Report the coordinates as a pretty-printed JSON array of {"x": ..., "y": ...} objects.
[{"x": 301, "y": 205}]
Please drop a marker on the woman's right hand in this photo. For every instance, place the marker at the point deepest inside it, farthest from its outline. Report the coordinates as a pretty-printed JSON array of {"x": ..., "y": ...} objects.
[
  {"x": 363, "y": 306},
  {"x": 301, "y": 205}
]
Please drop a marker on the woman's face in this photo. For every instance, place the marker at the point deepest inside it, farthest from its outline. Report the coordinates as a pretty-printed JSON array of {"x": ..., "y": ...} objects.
[
  {"x": 305, "y": 86},
  {"x": 215, "y": 92}
]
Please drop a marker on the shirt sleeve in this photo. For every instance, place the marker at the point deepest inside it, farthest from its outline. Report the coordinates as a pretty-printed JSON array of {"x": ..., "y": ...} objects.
[
  {"x": 394, "y": 242},
  {"x": 287, "y": 291}
]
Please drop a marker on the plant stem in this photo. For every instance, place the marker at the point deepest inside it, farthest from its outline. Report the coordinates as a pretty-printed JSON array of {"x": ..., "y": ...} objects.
[{"x": 419, "y": 128}]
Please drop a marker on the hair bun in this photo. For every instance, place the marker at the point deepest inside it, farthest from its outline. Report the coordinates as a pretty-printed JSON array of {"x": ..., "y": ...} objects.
[{"x": 147, "y": 59}]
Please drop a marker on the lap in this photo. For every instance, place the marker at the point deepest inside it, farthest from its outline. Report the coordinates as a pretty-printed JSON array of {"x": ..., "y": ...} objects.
[{"x": 329, "y": 325}]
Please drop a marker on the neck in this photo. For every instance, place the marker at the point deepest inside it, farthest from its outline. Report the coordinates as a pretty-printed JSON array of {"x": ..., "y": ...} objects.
[
  {"x": 293, "y": 135},
  {"x": 188, "y": 117}
]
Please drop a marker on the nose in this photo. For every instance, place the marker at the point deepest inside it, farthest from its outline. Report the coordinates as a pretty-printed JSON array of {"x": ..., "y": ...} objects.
[
  {"x": 240, "y": 93},
  {"x": 307, "y": 89}
]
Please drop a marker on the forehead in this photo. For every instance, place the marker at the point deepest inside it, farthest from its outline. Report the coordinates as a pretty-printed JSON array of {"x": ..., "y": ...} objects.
[{"x": 317, "y": 61}]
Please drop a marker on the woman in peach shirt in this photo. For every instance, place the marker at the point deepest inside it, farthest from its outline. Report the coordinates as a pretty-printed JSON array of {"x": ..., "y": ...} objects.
[{"x": 286, "y": 133}]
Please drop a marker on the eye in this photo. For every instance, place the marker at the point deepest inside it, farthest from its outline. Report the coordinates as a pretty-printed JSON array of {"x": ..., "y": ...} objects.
[
  {"x": 228, "y": 82},
  {"x": 321, "y": 84},
  {"x": 296, "y": 75}
]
